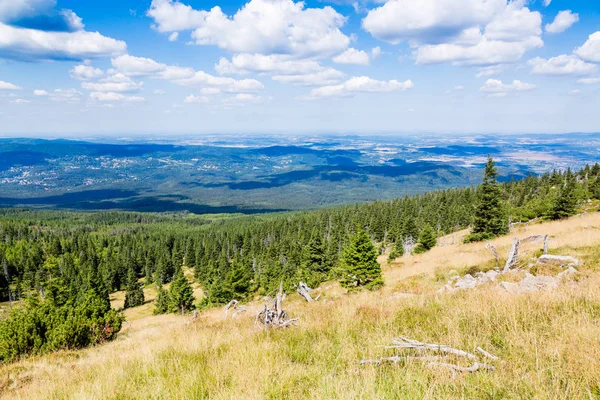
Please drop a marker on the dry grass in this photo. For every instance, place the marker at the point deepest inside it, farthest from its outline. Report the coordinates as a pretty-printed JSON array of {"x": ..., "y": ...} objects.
[{"x": 550, "y": 341}]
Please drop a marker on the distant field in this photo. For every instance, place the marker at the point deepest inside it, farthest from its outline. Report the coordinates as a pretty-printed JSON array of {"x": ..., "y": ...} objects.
[{"x": 248, "y": 175}]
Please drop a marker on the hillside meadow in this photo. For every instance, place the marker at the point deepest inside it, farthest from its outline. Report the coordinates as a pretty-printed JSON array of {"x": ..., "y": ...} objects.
[{"x": 548, "y": 342}]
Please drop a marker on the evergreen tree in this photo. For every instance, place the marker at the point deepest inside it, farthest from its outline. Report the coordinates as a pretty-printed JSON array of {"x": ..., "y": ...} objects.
[
  {"x": 135, "y": 291},
  {"x": 397, "y": 251},
  {"x": 359, "y": 263},
  {"x": 427, "y": 240},
  {"x": 566, "y": 203},
  {"x": 410, "y": 229},
  {"x": 161, "y": 305},
  {"x": 314, "y": 268},
  {"x": 181, "y": 294},
  {"x": 490, "y": 220}
]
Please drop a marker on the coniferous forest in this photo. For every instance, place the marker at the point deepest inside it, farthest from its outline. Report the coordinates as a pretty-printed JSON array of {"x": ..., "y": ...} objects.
[{"x": 58, "y": 268}]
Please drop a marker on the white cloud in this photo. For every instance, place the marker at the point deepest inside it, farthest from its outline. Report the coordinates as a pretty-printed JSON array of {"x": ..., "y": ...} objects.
[
  {"x": 574, "y": 92},
  {"x": 196, "y": 99},
  {"x": 327, "y": 76},
  {"x": 40, "y": 93},
  {"x": 589, "y": 81},
  {"x": 159, "y": 92},
  {"x": 281, "y": 68},
  {"x": 210, "y": 91},
  {"x": 20, "y": 101},
  {"x": 84, "y": 72},
  {"x": 352, "y": 56},
  {"x": 428, "y": 20},
  {"x": 139, "y": 66},
  {"x": 497, "y": 88},
  {"x": 31, "y": 44},
  {"x": 360, "y": 84},
  {"x": 375, "y": 52},
  {"x": 489, "y": 71},
  {"x": 462, "y": 32},
  {"x": 115, "y": 97},
  {"x": 8, "y": 86},
  {"x": 562, "y": 65},
  {"x": 563, "y": 21},
  {"x": 66, "y": 95},
  {"x": 114, "y": 83},
  {"x": 39, "y": 14},
  {"x": 546, "y": 2},
  {"x": 173, "y": 36},
  {"x": 260, "y": 26},
  {"x": 590, "y": 51}
]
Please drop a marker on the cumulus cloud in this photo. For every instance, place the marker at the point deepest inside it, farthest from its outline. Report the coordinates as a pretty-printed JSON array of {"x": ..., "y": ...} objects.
[
  {"x": 39, "y": 14},
  {"x": 563, "y": 65},
  {"x": 260, "y": 26},
  {"x": 281, "y": 68},
  {"x": 546, "y": 2},
  {"x": 66, "y": 95},
  {"x": 359, "y": 84},
  {"x": 8, "y": 86},
  {"x": 462, "y": 32},
  {"x": 196, "y": 99},
  {"x": 85, "y": 72},
  {"x": 114, "y": 83},
  {"x": 590, "y": 51},
  {"x": 352, "y": 56},
  {"x": 139, "y": 66},
  {"x": 20, "y": 101},
  {"x": 33, "y": 45},
  {"x": 489, "y": 71},
  {"x": 40, "y": 93},
  {"x": 115, "y": 97},
  {"x": 34, "y": 30},
  {"x": 375, "y": 52},
  {"x": 495, "y": 87},
  {"x": 563, "y": 21},
  {"x": 589, "y": 81},
  {"x": 173, "y": 36}
]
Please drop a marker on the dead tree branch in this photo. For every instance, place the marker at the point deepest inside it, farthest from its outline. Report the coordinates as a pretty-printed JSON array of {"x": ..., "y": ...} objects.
[{"x": 513, "y": 255}]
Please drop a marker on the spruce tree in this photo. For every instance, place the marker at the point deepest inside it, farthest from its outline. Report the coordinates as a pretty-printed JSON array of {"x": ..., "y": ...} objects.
[
  {"x": 566, "y": 203},
  {"x": 490, "y": 220},
  {"x": 314, "y": 268},
  {"x": 359, "y": 263},
  {"x": 161, "y": 305},
  {"x": 397, "y": 251},
  {"x": 427, "y": 240},
  {"x": 410, "y": 229},
  {"x": 181, "y": 294},
  {"x": 135, "y": 292}
]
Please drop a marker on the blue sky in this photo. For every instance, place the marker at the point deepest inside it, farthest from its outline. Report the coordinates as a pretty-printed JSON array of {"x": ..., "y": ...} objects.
[{"x": 73, "y": 68}]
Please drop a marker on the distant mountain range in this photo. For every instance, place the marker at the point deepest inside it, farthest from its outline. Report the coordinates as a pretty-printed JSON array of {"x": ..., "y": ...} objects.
[{"x": 252, "y": 174}]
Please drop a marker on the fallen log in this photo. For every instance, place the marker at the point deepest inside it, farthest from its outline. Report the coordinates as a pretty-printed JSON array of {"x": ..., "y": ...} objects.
[{"x": 273, "y": 315}]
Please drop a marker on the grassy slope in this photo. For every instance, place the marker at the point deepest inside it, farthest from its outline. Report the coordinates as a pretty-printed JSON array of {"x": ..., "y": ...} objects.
[{"x": 550, "y": 341}]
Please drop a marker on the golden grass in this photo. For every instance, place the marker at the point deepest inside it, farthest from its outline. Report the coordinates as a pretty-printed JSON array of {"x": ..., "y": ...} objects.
[{"x": 549, "y": 341}]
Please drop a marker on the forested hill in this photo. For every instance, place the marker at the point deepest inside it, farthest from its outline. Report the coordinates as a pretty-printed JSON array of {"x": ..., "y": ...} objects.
[{"x": 73, "y": 260}]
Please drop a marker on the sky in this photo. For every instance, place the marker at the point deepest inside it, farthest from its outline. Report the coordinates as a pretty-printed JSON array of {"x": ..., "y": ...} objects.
[{"x": 166, "y": 67}]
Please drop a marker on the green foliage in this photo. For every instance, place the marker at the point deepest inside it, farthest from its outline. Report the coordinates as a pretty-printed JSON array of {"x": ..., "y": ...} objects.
[
  {"x": 43, "y": 326},
  {"x": 134, "y": 296},
  {"x": 489, "y": 218},
  {"x": 359, "y": 263},
  {"x": 181, "y": 294},
  {"x": 566, "y": 203},
  {"x": 427, "y": 240},
  {"x": 161, "y": 305},
  {"x": 397, "y": 251}
]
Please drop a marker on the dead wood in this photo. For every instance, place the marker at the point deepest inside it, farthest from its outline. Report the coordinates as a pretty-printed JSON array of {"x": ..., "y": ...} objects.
[{"x": 513, "y": 255}]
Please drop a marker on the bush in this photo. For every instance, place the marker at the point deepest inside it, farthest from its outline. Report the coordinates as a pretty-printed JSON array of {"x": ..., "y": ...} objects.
[
  {"x": 478, "y": 237},
  {"x": 42, "y": 326}
]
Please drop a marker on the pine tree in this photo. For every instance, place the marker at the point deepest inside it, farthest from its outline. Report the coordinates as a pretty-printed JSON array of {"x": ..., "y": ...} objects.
[
  {"x": 314, "y": 268},
  {"x": 490, "y": 220},
  {"x": 427, "y": 240},
  {"x": 181, "y": 294},
  {"x": 397, "y": 251},
  {"x": 162, "y": 301},
  {"x": 135, "y": 292},
  {"x": 410, "y": 229},
  {"x": 359, "y": 263},
  {"x": 566, "y": 203}
]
